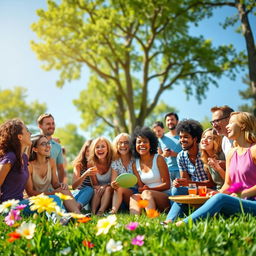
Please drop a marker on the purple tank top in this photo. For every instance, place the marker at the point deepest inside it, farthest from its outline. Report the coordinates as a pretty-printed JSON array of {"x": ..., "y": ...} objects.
[
  {"x": 15, "y": 181},
  {"x": 243, "y": 169}
]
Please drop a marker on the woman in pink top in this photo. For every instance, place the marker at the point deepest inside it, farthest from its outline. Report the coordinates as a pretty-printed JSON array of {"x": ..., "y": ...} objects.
[{"x": 240, "y": 179}]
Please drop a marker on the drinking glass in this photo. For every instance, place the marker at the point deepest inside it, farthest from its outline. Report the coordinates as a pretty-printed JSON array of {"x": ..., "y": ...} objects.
[
  {"x": 202, "y": 190},
  {"x": 192, "y": 189}
]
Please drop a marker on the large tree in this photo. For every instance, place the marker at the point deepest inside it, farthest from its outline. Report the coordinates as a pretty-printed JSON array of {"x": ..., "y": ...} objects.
[
  {"x": 14, "y": 105},
  {"x": 135, "y": 50},
  {"x": 244, "y": 9}
]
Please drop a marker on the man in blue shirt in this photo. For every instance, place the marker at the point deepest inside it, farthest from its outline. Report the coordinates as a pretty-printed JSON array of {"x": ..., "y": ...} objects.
[
  {"x": 46, "y": 125},
  {"x": 169, "y": 147}
]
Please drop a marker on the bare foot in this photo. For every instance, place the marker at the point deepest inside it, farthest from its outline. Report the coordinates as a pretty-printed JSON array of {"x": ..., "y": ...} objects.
[
  {"x": 166, "y": 222},
  {"x": 179, "y": 223}
]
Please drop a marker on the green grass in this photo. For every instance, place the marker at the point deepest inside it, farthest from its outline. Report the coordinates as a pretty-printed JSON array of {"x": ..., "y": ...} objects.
[{"x": 216, "y": 236}]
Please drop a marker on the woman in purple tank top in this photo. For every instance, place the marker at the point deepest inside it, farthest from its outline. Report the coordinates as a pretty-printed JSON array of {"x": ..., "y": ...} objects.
[
  {"x": 240, "y": 169},
  {"x": 14, "y": 139}
]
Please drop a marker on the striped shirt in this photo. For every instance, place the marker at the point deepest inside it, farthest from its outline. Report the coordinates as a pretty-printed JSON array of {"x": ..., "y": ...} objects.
[{"x": 196, "y": 172}]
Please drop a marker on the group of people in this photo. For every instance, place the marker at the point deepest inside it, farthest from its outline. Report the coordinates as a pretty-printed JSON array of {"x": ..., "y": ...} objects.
[{"x": 164, "y": 164}]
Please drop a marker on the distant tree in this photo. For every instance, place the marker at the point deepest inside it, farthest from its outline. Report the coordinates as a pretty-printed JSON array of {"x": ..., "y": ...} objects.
[
  {"x": 247, "y": 94},
  {"x": 133, "y": 48},
  {"x": 159, "y": 112},
  {"x": 244, "y": 8},
  {"x": 14, "y": 105},
  {"x": 70, "y": 139}
]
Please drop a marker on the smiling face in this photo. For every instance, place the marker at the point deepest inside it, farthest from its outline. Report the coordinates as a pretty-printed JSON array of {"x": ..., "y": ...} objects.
[
  {"x": 101, "y": 149},
  {"x": 159, "y": 131},
  {"x": 186, "y": 140},
  {"x": 171, "y": 122},
  {"x": 207, "y": 141},
  {"x": 48, "y": 126},
  {"x": 123, "y": 145},
  {"x": 43, "y": 147},
  {"x": 142, "y": 145},
  {"x": 219, "y": 122},
  {"x": 233, "y": 128},
  {"x": 25, "y": 137}
]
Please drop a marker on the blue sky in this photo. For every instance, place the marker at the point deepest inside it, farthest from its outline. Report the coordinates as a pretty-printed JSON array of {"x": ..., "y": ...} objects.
[{"x": 20, "y": 67}]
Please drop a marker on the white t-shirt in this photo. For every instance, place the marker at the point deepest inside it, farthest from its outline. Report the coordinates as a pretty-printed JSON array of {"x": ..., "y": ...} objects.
[{"x": 226, "y": 145}]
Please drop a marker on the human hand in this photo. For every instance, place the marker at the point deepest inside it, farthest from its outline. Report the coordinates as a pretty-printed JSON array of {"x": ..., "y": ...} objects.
[
  {"x": 214, "y": 163},
  {"x": 100, "y": 190},
  {"x": 91, "y": 171},
  {"x": 114, "y": 184},
  {"x": 64, "y": 186},
  {"x": 182, "y": 182},
  {"x": 212, "y": 193}
]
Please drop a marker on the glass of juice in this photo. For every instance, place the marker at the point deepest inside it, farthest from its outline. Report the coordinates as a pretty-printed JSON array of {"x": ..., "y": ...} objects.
[
  {"x": 202, "y": 190},
  {"x": 192, "y": 189}
]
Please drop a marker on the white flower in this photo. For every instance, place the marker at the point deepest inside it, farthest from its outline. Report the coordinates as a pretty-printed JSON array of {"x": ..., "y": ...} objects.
[
  {"x": 65, "y": 251},
  {"x": 26, "y": 230},
  {"x": 4, "y": 207},
  {"x": 105, "y": 224},
  {"x": 113, "y": 246}
]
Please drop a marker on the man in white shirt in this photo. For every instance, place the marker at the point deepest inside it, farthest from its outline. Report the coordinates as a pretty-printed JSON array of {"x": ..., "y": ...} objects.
[{"x": 220, "y": 119}]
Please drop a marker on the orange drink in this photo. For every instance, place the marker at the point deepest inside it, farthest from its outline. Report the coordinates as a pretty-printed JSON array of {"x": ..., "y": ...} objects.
[
  {"x": 202, "y": 190},
  {"x": 192, "y": 189}
]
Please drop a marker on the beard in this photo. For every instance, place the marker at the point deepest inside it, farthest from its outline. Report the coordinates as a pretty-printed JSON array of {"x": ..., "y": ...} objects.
[{"x": 172, "y": 128}]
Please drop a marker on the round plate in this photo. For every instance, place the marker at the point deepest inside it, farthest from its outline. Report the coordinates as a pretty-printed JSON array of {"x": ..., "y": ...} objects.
[
  {"x": 186, "y": 199},
  {"x": 126, "y": 180}
]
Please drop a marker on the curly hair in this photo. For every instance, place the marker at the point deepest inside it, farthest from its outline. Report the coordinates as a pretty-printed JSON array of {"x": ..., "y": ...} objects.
[
  {"x": 192, "y": 127},
  {"x": 35, "y": 140},
  {"x": 217, "y": 139},
  {"x": 81, "y": 158},
  {"x": 144, "y": 132},
  {"x": 9, "y": 141}
]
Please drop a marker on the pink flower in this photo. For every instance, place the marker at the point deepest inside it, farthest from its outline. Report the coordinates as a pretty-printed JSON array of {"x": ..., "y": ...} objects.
[
  {"x": 20, "y": 207},
  {"x": 13, "y": 216},
  {"x": 138, "y": 240},
  {"x": 132, "y": 226},
  {"x": 236, "y": 188}
]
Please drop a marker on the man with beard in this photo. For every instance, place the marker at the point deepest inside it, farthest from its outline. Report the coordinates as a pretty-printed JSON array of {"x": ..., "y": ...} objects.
[
  {"x": 220, "y": 119},
  {"x": 190, "y": 165},
  {"x": 169, "y": 147},
  {"x": 46, "y": 125}
]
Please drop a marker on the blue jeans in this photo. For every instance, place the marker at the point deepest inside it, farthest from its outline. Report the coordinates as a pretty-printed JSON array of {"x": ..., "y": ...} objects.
[
  {"x": 222, "y": 203},
  {"x": 84, "y": 195},
  {"x": 27, "y": 211},
  {"x": 177, "y": 209}
]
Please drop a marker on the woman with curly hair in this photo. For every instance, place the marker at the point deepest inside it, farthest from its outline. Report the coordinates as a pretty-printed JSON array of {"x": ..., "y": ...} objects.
[
  {"x": 151, "y": 171},
  {"x": 100, "y": 158},
  {"x": 14, "y": 139}
]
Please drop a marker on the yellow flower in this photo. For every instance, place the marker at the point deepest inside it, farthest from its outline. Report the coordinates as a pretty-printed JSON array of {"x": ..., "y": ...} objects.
[
  {"x": 105, "y": 224},
  {"x": 42, "y": 203},
  {"x": 26, "y": 230},
  {"x": 4, "y": 207},
  {"x": 63, "y": 197},
  {"x": 76, "y": 215}
]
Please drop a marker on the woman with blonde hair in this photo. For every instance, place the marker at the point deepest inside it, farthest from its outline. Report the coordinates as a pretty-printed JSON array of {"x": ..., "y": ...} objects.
[
  {"x": 212, "y": 156},
  {"x": 100, "y": 158},
  {"x": 238, "y": 193},
  {"x": 122, "y": 164}
]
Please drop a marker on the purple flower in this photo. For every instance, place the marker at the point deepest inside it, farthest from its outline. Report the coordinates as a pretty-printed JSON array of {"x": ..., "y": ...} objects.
[
  {"x": 20, "y": 207},
  {"x": 132, "y": 226},
  {"x": 12, "y": 216},
  {"x": 236, "y": 188},
  {"x": 138, "y": 240}
]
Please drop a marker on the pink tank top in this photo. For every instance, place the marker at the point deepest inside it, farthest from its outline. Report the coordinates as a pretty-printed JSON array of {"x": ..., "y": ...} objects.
[{"x": 242, "y": 169}]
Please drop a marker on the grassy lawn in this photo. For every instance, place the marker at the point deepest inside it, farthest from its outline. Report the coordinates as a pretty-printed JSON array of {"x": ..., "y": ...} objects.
[{"x": 217, "y": 236}]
